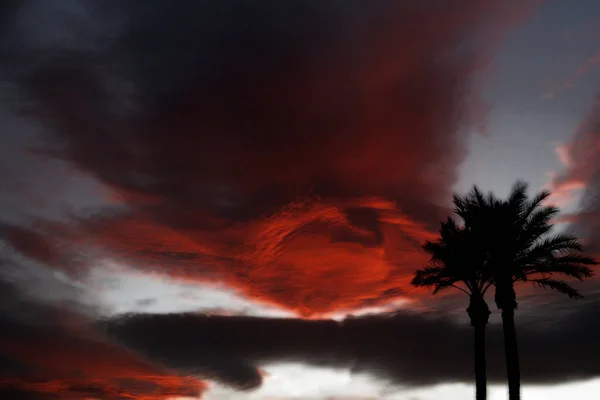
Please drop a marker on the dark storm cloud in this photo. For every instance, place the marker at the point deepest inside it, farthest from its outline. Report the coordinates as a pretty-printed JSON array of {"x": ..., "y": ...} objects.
[
  {"x": 244, "y": 106},
  {"x": 407, "y": 349},
  {"x": 238, "y": 135}
]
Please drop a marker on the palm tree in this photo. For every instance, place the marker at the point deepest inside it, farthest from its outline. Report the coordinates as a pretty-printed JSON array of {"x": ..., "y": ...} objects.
[
  {"x": 455, "y": 263},
  {"x": 515, "y": 234}
]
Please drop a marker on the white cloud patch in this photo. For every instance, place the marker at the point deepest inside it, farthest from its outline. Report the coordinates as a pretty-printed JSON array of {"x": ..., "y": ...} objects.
[
  {"x": 121, "y": 290},
  {"x": 303, "y": 383},
  {"x": 298, "y": 382}
]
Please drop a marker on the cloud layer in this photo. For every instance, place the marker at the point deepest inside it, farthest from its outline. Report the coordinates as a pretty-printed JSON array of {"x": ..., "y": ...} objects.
[
  {"x": 404, "y": 349},
  {"x": 298, "y": 153},
  {"x": 50, "y": 351},
  {"x": 274, "y": 147}
]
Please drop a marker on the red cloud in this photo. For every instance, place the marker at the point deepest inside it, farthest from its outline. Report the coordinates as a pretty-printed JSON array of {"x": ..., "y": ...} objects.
[
  {"x": 583, "y": 172},
  {"x": 302, "y": 162},
  {"x": 288, "y": 258},
  {"x": 70, "y": 365}
]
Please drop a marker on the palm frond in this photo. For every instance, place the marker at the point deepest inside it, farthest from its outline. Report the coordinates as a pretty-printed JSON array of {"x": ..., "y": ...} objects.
[
  {"x": 435, "y": 250},
  {"x": 575, "y": 259},
  {"x": 536, "y": 202},
  {"x": 428, "y": 276},
  {"x": 552, "y": 246},
  {"x": 518, "y": 195},
  {"x": 508, "y": 241},
  {"x": 477, "y": 195},
  {"x": 572, "y": 265},
  {"x": 530, "y": 235},
  {"x": 539, "y": 218},
  {"x": 558, "y": 286},
  {"x": 446, "y": 285},
  {"x": 459, "y": 204},
  {"x": 454, "y": 259},
  {"x": 438, "y": 278}
]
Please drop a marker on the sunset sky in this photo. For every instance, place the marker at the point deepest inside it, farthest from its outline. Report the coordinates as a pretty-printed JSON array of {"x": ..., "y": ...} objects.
[{"x": 227, "y": 200}]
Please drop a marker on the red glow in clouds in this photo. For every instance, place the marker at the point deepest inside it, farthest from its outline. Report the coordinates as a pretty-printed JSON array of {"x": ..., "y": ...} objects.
[{"x": 307, "y": 172}]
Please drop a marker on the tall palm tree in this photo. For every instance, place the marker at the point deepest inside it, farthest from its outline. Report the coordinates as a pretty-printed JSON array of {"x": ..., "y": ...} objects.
[
  {"x": 515, "y": 234},
  {"x": 456, "y": 263}
]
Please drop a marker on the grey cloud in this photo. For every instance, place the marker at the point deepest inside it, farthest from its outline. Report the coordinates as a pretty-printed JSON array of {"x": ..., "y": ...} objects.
[{"x": 406, "y": 348}]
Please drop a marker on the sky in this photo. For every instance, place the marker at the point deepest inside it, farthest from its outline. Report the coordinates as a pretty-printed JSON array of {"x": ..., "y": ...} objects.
[{"x": 227, "y": 200}]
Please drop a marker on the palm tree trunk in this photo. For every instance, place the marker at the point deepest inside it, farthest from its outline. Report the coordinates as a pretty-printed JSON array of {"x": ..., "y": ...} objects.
[
  {"x": 511, "y": 352},
  {"x": 479, "y": 313},
  {"x": 480, "y": 367}
]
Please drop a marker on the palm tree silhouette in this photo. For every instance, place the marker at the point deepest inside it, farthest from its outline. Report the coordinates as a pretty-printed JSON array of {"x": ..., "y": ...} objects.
[
  {"x": 457, "y": 263},
  {"x": 515, "y": 235}
]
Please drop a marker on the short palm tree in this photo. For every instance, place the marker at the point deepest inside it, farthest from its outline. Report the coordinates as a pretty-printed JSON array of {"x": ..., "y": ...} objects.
[
  {"x": 456, "y": 263},
  {"x": 515, "y": 234}
]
